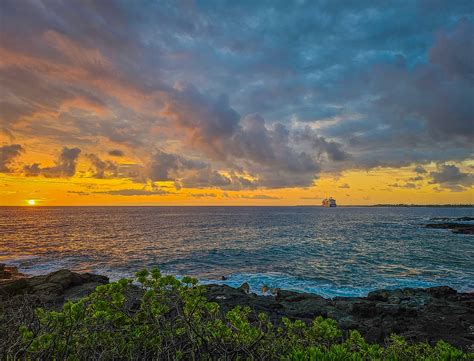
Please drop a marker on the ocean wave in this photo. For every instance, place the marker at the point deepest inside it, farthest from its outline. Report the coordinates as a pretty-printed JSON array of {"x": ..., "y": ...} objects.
[{"x": 326, "y": 289}]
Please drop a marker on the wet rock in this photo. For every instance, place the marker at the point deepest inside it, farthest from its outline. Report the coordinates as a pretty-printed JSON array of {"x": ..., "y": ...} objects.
[
  {"x": 245, "y": 287},
  {"x": 379, "y": 295},
  {"x": 459, "y": 228},
  {"x": 274, "y": 291},
  {"x": 442, "y": 291}
]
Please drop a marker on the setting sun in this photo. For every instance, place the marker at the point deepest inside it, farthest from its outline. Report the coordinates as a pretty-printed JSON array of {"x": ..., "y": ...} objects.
[{"x": 31, "y": 202}]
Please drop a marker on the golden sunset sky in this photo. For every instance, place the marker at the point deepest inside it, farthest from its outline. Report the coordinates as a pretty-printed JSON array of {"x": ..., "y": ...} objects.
[{"x": 190, "y": 103}]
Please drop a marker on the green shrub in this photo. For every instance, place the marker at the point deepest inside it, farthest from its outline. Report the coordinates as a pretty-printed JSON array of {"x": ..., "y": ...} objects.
[{"x": 174, "y": 320}]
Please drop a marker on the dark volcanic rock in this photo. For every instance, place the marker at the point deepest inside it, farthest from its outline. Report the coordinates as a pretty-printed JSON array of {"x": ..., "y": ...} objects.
[
  {"x": 460, "y": 228},
  {"x": 9, "y": 273},
  {"x": 55, "y": 287},
  {"x": 419, "y": 315}
]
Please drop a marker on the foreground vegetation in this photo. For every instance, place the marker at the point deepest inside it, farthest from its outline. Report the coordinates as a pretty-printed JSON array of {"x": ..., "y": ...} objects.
[{"x": 173, "y": 320}]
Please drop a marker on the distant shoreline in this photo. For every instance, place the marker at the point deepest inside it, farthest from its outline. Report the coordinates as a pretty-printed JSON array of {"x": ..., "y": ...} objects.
[{"x": 399, "y": 206}]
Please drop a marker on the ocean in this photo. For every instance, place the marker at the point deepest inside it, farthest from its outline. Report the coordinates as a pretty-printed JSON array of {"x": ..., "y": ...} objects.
[{"x": 329, "y": 251}]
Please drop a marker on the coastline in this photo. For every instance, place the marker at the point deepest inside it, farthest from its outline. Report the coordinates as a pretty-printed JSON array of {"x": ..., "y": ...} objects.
[{"x": 417, "y": 314}]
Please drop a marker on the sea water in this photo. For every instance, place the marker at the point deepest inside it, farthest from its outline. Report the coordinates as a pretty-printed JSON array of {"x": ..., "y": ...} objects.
[{"x": 329, "y": 251}]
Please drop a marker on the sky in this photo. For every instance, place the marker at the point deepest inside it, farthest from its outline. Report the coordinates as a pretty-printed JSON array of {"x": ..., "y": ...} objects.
[{"x": 236, "y": 102}]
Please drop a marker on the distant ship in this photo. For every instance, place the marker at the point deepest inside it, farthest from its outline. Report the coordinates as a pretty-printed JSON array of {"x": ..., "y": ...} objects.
[{"x": 329, "y": 202}]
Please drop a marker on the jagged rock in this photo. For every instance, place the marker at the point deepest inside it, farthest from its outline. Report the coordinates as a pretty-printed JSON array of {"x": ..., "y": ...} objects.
[
  {"x": 442, "y": 291},
  {"x": 431, "y": 314},
  {"x": 459, "y": 228},
  {"x": 245, "y": 287},
  {"x": 9, "y": 273},
  {"x": 54, "y": 287}
]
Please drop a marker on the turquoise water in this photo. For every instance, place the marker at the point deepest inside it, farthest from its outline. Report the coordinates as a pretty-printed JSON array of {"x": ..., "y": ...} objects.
[{"x": 329, "y": 251}]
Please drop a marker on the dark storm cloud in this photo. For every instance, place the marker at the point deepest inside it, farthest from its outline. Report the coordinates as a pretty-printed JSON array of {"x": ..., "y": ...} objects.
[
  {"x": 106, "y": 169},
  {"x": 167, "y": 166},
  {"x": 8, "y": 153},
  {"x": 320, "y": 145},
  {"x": 419, "y": 169},
  {"x": 192, "y": 173},
  {"x": 421, "y": 112},
  {"x": 116, "y": 153},
  {"x": 65, "y": 165},
  {"x": 454, "y": 51},
  {"x": 102, "y": 168},
  {"x": 236, "y": 84},
  {"x": 205, "y": 178},
  {"x": 451, "y": 177},
  {"x": 218, "y": 131},
  {"x": 214, "y": 128}
]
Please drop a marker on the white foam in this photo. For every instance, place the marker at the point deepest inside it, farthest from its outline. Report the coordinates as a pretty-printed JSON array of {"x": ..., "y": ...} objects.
[{"x": 286, "y": 282}]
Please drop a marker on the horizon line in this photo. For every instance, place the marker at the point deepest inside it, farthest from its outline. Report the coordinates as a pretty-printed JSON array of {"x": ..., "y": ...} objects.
[{"x": 399, "y": 205}]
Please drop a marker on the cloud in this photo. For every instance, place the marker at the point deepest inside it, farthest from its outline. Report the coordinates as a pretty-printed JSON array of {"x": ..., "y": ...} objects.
[
  {"x": 202, "y": 195},
  {"x": 353, "y": 85},
  {"x": 451, "y": 177},
  {"x": 215, "y": 129},
  {"x": 102, "y": 168},
  {"x": 166, "y": 166},
  {"x": 406, "y": 185},
  {"x": 209, "y": 178},
  {"x": 65, "y": 165},
  {"x": 79, "y": 193},
  {"x": 259, "y": 196},
  {"x": 205, "y": 178},
  {"x": 208, "y": 122},
  {"x": 191, "y": 173},
  {"x": 116, "y": 153},
  {"x": 332, "y": 149},
  {"x": 8, "y": 153},
  {"x": 135, "y": 192},
  {"x": 345, "y": 185},
  {"x": 419, "y": 169},
  {"x": 188, "y": 173},
  {"x": 454, "y": 49},
  {"x": 406, "y": 113}
]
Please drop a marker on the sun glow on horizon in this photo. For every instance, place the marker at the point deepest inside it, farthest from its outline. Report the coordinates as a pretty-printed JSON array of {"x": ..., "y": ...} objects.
[{"x": 31, "y": 202}]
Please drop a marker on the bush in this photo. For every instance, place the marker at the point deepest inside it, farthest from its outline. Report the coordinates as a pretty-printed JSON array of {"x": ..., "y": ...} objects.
[{"x": 173, "y": 320}]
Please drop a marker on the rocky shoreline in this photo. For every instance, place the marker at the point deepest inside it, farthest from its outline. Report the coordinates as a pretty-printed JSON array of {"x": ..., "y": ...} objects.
[
  {"x": 458, "y": 228},
  {"x": 453, "y": 224},
  {"x": 429, "y": 314}
]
